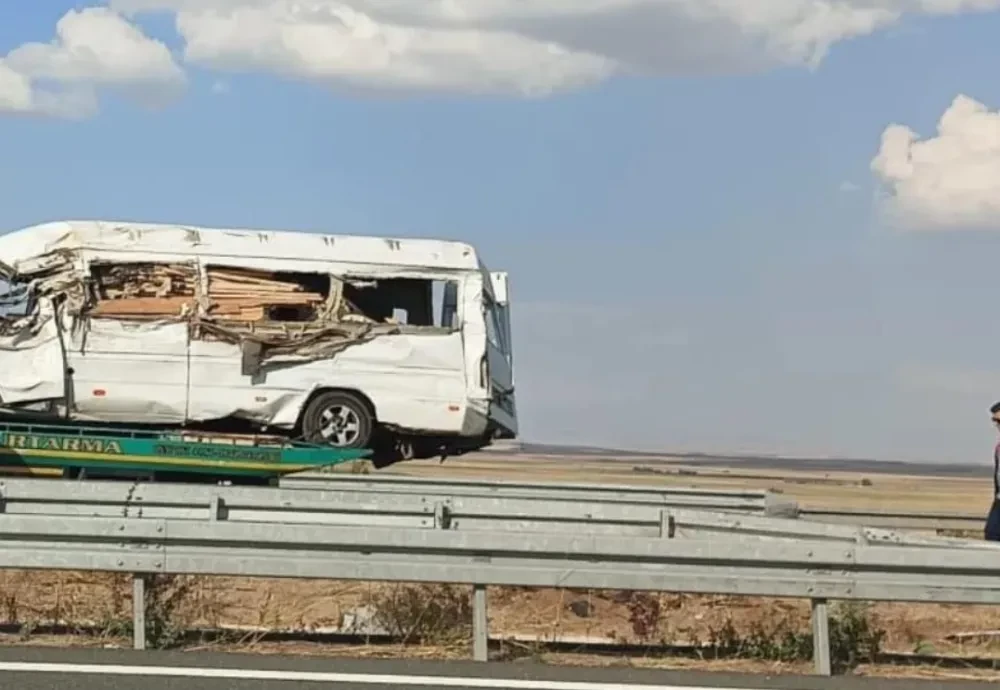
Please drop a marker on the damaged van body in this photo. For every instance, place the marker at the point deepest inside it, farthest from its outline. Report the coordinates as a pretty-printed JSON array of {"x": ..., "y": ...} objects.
[{"x": 348, "y": 340}]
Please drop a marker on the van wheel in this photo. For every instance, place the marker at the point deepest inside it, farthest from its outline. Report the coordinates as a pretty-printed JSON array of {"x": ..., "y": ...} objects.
[{"x": 338, "y": 419}]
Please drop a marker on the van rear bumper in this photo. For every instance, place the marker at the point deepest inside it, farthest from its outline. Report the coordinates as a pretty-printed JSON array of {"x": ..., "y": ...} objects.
[
  {"x": 485, "y": 418},
  {"x": 477, "y": 418}
]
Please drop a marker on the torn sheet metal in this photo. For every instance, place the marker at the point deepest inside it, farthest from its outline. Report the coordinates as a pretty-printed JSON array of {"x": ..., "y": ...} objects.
[
  {"x": 268, "y": 248},
  {"x": 142, "y": 364},
  {"x": 31, "y": 351},
  {"x": 228, "y": 303}
]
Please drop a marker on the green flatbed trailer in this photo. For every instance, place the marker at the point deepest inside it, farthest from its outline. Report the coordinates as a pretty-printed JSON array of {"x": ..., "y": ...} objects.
[{"x": 74, "y": 451}]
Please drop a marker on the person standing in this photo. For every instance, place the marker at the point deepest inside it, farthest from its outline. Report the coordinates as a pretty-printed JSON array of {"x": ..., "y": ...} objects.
[{"x": 992, "y": 530}]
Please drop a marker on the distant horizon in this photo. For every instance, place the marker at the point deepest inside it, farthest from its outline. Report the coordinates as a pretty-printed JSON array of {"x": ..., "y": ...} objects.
[{"x": 542, "y": 448}]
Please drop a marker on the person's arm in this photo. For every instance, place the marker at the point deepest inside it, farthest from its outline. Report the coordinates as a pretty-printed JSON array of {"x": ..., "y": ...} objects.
[{"x": 996, "y": 471}]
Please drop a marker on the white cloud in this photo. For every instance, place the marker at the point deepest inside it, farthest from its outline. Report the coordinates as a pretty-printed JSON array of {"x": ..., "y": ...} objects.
[
  {"x": 18, "y": 96},
  {"x": 513, "y": 46},
  {"x": 948, "y": 181},
  {"x": 342, "y": 44},
  {"x": 467, "y": 46},
  {"x": 94, "y": 48},
  {"x": 15, "y": 90}
]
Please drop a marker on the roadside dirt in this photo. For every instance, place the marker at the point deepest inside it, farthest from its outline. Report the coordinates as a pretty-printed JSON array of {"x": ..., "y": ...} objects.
[{"x": 37, "y": 600}]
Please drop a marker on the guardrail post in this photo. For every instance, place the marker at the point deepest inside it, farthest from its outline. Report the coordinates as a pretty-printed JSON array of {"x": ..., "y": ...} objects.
[
  {"x": 138, "y": 611},
  {"x": 821, "y": 637},
  {"x": 440, "y": 516},
  {"x": 777, "y": 506},
  {"x": 480, "y": 624},
  {"x": 215, "y": 506},
  {"x": 668, "y": 527}
]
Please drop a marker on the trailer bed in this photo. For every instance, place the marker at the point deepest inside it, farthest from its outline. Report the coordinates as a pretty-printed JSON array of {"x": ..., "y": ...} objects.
[{"x": 75, "y": 451}]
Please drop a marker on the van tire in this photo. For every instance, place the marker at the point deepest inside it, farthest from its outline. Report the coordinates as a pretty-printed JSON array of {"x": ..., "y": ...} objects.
[{"x": 339, "y": 419}]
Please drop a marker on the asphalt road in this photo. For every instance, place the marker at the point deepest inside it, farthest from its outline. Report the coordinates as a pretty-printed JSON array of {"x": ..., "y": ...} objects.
[{"x": 32, "y": 668}]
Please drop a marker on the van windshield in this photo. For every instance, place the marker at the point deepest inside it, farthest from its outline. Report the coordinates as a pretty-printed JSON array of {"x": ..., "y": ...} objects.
[{"x": 494, "y": 328}]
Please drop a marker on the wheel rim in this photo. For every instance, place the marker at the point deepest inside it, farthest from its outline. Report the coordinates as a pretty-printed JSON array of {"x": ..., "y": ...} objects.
[{"x": 339, "y": 425}]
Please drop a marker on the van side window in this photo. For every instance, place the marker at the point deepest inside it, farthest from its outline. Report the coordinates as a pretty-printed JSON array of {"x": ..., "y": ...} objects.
[
  {"x": 141, "y": 289},
  {"x": 410, "y": 301}
]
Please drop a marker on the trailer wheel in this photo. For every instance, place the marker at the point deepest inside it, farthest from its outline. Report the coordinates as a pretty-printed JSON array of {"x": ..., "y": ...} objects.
[{"x": 339, "y": 419}]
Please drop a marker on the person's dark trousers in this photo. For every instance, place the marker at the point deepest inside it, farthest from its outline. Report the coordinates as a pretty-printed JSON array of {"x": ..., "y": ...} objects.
[{"x": 993, "y": 522}]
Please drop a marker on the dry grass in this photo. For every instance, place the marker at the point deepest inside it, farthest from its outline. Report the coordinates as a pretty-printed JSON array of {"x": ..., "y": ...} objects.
[
  {"x": 812, "y": 489},
  {"x": 441, "y": 616}
]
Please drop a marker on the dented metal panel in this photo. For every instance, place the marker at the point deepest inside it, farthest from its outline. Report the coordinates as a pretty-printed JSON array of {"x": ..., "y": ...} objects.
[
  {"x": 167, "y": 324},
  {"x": 106, "y": 237},
  {"x": 31, "y": 357},
  {"x": 413, "y": 378},
  {"x": 129, "y": 371}
]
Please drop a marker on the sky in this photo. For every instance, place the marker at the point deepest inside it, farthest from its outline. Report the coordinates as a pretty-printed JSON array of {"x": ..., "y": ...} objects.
[{"x": 764, "y": 226}]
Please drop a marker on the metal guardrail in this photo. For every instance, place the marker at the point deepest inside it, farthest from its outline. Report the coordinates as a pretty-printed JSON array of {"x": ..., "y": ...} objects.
[
  {"x": 746, "y": 566},
  {"x": 151, "y": 501},
  {"x": 735, "y": 500},
  {"x": 208, "y": 530},
  {"x": 743, "y": 501},
  {"x": 909, "y": 520}
]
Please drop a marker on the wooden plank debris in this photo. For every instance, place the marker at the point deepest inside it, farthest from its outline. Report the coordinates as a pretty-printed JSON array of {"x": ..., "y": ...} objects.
[
  {"x": 158, "y": 291},
  {"x": 247, "y": 295},
  {"x": 144, "y": 290},
  {"x": 144, "y": 306}
]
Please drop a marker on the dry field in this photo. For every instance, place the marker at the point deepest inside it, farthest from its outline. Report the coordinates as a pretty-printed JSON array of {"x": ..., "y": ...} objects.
[
  {"x": 812, "y": 489},
  {"x": 32, "y": 603}
]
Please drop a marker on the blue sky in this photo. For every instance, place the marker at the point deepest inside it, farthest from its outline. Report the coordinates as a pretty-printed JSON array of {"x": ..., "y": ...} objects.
[{"x": 702, "y": 255}]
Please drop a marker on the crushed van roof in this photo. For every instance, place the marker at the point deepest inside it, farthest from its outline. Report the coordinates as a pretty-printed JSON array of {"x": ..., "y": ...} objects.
[{"x": 122, "y": 236}]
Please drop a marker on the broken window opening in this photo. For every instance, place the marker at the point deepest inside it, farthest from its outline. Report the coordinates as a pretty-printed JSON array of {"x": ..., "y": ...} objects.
[
  {"x": 142, "y": 289},
  {"x": 292, "y": 313},
  {"x": 15, "y": 299},
  {"x": 252, "y": 296},
  {"x": 410, "y": 301}
]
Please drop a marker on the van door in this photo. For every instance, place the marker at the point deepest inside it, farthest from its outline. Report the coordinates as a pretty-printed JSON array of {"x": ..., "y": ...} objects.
[
  {"x": 32, "y": 364},
  {"x": 129, "y": 371},
  {"x": 503, "y": 409}
]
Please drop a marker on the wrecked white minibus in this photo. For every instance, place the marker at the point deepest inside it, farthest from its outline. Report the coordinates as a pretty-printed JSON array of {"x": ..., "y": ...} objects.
[{"x": 349, "y": 340}]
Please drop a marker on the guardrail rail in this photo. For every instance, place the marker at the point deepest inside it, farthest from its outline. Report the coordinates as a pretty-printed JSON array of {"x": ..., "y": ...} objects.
[{"x": 481, "y": 541}]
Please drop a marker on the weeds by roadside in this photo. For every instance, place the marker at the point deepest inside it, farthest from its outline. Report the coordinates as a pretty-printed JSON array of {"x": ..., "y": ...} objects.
[
  {"x": 165, "y": 595},
  {"x": 428, "y": 614},
  {"x": 440, "y": 616},
  {"x": 99, "y": 605},
  {"x": 854, "y": 637}
]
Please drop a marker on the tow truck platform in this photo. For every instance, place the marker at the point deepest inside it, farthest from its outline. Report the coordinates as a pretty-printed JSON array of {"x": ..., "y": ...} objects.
[{"x": 77, "y": 452}]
